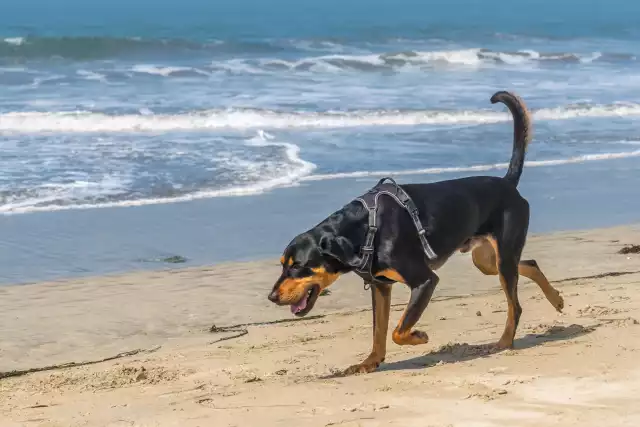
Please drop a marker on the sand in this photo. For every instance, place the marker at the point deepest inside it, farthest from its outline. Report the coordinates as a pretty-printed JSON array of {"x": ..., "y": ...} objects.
[{"x": 575, "y": 368}]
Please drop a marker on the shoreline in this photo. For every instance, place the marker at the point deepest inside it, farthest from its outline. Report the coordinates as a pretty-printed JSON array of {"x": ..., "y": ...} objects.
[
  {"x": 180, "y": 267},
  {"x": 168, "y": 368},
  {"x": 49, "y": 246}
]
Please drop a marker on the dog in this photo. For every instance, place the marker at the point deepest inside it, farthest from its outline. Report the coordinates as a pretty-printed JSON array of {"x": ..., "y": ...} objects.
[{"x": 407, "y": 242}]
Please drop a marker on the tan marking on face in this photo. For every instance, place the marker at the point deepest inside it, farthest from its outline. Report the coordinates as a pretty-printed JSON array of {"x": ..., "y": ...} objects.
[
  {"x": 325, "y": 279},
  {"x": 289, "y": 262},
  {"x": 292, "y": 290}
]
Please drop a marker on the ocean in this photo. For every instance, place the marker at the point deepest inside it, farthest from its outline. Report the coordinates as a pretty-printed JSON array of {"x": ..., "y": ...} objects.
[{"x": 241, "y": 123}]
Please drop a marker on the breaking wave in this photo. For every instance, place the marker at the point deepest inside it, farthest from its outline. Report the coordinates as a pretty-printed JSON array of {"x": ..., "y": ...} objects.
[
  {"x": 330, "y": 54},
  {"x": 300, "y": 172},
  {"x": 242, "y": 119}
]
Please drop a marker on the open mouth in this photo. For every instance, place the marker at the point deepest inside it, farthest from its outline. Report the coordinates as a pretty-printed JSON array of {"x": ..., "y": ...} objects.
[{"x": 307, "y": 301}]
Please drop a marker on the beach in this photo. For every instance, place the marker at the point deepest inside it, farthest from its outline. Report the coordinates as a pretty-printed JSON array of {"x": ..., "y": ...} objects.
[
  {"x": 181, "y": 361},
  {"x": 157, "y": 156}
]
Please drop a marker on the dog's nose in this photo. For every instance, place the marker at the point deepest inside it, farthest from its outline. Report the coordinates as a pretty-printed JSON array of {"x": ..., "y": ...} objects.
[{"x": 273, "y": 296}]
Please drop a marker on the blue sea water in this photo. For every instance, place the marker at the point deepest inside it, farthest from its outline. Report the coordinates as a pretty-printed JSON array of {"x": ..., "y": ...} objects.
[
  {"x": 125, "y": 103},
  {"x": 115, "y": 103}
]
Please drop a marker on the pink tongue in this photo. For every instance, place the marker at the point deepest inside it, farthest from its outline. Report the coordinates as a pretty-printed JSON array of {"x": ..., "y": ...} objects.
[{"x": 301, "y": 305}]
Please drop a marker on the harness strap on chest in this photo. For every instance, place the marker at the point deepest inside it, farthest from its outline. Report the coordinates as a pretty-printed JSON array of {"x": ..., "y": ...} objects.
[{"x": 370, "y": 202}]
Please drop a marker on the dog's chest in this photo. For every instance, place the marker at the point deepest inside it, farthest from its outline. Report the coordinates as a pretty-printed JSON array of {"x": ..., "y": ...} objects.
[{"x": 435, "y": 264}]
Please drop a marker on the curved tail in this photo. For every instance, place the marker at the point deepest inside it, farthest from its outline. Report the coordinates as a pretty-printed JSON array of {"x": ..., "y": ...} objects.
[{"x": 521, "y": 132}]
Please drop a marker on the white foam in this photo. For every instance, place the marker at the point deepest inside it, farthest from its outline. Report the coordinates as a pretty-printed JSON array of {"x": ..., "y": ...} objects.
[
  {"x": 300, "y": 167},
  {"x": 323, "y": 46},
  {"x": 72, "y": 192},
  {"x": 459, "y": 57},
  {"x": 300, "y": 174},
  {"x": 40, "y": 80},
  {"x": 91, "y": 75},
  {"x": 238, "y": 66},
  {"x": 87, "y": 122},
  {"x": 476, "y": 168},
  {"x": 15, "y": 41},
  {"x": 14, "y": 70},
  {"x": 164, "y": 71},
  {"x": 340, "y": 61},
  {"x": 337, "y": 62},
  {"x": 296, "y": 170},
  {"x": 590, "y": 58}
]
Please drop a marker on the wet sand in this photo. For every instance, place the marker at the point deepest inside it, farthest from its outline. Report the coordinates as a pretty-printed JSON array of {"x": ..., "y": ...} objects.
[{"x": 48, "y": 246}]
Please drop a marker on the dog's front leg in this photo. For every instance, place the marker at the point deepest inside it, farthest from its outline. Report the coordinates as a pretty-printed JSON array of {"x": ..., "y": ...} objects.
[
  {"x": 381, "y": 304},
  {"x": 420, "y": 296}
]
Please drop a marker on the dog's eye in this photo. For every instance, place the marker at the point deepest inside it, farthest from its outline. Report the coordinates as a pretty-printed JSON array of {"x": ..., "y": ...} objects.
[{"x": 294, "y": 269}]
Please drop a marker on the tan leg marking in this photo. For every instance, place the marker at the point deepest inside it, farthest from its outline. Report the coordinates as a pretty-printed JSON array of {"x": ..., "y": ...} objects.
[
  {"x": 485, "y": 258},
  {"x": 506, "y": 341},
  {"x": 414, "y": 337},
  {"x": 381, "y": 301},
  {"x": 531, "y": 270}
]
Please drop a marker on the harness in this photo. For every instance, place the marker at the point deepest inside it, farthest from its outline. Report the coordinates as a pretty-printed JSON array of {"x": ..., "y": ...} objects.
[{"x": 370, "y": 201}]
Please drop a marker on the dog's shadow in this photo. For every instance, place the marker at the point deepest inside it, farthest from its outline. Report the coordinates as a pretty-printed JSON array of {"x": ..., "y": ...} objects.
[{"x": 451, "y": 353}]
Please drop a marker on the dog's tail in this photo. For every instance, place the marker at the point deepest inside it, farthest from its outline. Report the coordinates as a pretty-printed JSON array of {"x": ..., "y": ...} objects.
[{"x": 521, "y": 132}]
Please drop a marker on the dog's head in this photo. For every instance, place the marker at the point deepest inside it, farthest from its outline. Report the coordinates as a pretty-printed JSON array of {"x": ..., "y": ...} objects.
[{"x": 309, "y": 266}]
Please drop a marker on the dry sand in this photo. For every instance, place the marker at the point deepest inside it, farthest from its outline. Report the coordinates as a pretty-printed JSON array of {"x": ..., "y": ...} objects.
[{"x": 577, "y": 368}]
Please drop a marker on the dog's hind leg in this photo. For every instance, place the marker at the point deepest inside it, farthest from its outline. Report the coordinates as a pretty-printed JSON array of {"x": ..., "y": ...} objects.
[
  {"x": 381, "y": 305},
  {"x": 511, "y": 236},
  {"x": 486, "y": 260},
  {"x": 530, "y": 269},
  {"x": 422, "y": 287},
  {"x": 508, "y": 273},
  {"x": 486, "y": 257}
]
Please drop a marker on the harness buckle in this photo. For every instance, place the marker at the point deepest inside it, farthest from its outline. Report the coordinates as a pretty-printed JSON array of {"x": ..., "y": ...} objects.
[
  {"x": 422, "y": 232},
  {"x": 366, "y": 249}
]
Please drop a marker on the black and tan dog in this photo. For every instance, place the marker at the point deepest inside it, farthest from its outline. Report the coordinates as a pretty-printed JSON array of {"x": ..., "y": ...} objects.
[{"x": 482, "y": 214}]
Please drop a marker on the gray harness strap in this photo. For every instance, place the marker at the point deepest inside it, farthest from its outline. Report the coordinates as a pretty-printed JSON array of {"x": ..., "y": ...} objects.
[{"x": 370, "y": 202}]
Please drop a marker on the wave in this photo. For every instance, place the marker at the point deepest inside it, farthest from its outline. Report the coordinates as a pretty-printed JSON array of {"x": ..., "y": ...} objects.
[
  {"x": 476, "y": 168},
  {"x": 299, "y": 174},
  {"x": 156, "y": 70},
  {"x": 82, "y": 48},
  {"x": 341, "y": 56},
  {"x": 416, "y": 59},
  {"x": 14, "y": 41},
  {"x": 112, "y": 191},
  {"x": 91, "y": 75},
  {"x": 243, "y": 119}
]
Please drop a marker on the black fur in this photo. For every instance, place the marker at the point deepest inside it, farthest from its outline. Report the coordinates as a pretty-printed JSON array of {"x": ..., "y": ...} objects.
[{"x": 453, "y": 212}]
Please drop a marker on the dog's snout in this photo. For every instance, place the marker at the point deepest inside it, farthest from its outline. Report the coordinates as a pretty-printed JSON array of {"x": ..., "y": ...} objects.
[{"x": 273, "y": 296}]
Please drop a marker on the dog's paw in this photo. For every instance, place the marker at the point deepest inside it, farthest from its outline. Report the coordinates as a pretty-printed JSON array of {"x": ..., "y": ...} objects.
[
  {"x": 361, "y": 368},
  {"x": 413, "y": 338},
  {"x": 558, "y": 302},
  {"x": 503, "y": 344},
  {"x": 419, "y": 337}
]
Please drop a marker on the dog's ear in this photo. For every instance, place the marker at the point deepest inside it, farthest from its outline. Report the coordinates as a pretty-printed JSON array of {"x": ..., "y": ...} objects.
[{"x": 339, "y": 252}]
